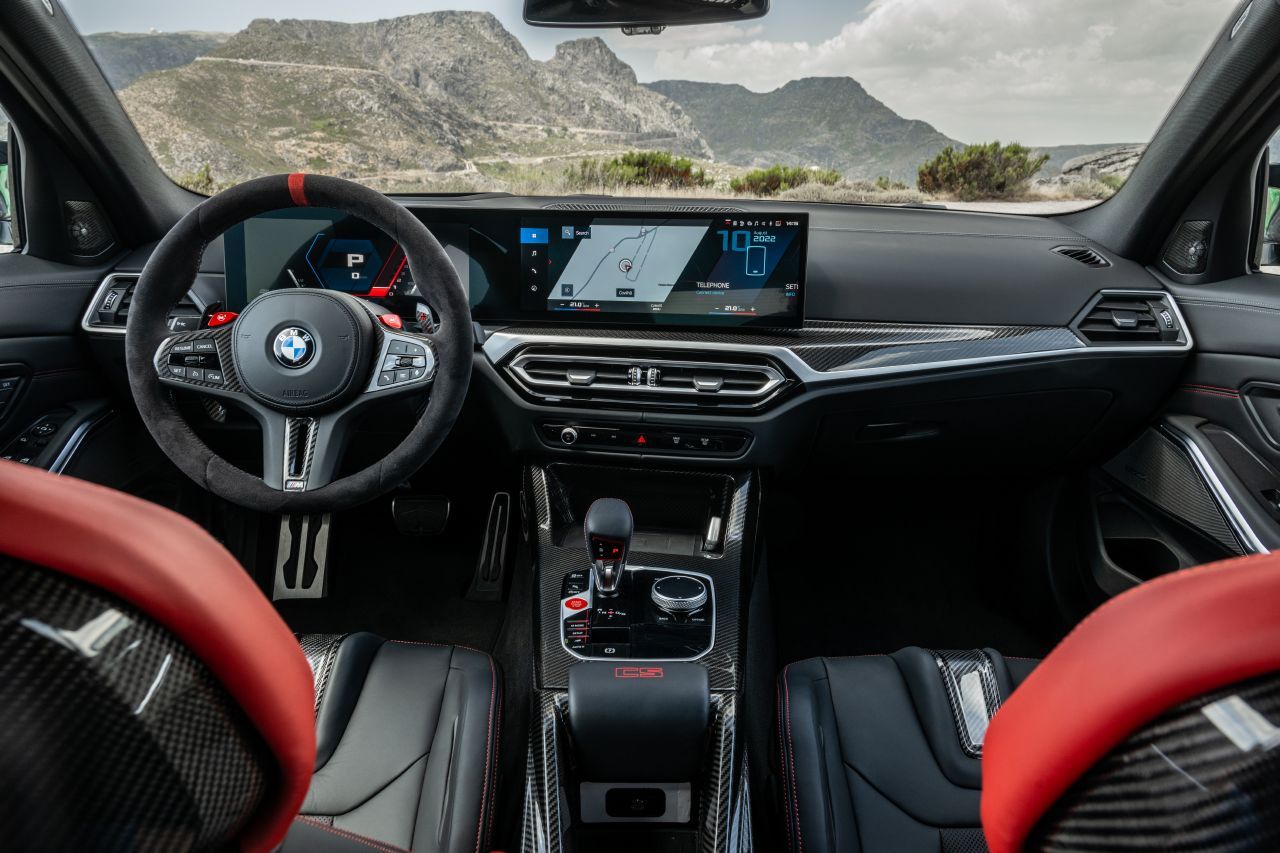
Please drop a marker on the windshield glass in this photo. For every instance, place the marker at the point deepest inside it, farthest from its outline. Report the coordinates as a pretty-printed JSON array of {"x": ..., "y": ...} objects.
[{"x": 1036, "y": 106}]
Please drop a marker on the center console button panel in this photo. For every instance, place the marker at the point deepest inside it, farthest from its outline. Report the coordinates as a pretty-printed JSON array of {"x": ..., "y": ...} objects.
[
  {"x": 633, "y": 624},
  {"x": 664, "y": 440}
]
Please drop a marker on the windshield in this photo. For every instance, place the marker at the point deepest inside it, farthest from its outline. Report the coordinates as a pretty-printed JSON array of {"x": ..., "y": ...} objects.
[{"x": 1035, "y": 105}]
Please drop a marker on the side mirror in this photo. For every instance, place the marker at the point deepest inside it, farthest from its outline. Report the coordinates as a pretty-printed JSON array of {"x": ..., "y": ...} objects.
[
  {"x": 1271, "y": 220},
  {"x": 649, "y": 16}
]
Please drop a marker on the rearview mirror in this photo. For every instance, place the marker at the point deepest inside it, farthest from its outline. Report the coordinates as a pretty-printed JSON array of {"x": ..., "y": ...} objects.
[{"x": 650, "y": 15}]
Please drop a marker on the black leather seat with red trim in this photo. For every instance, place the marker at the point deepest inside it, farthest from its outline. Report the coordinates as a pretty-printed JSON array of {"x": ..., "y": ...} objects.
[
  {"x": 880, "y": 754},
  {"x": 152, "y": 698},
  {"x": 1155, "y": 725},
  {"x": 406, "y": 746}
]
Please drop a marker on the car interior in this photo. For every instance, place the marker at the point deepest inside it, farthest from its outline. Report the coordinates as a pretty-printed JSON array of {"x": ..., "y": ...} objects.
[{"x": 337, "y": 519}]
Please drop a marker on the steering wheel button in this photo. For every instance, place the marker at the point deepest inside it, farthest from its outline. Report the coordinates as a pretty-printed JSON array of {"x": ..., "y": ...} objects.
[
  {"x": 403, "y": 375},
  {"x": 398, "y": 347},
  {"x": 221, "y": 318},
  {"x": 179, "y": 372},
  {"x": 214, "y": 376},
  {"x": 391, "y": 321},
  {"x": 205, "y": 346},
  {"x": 419, "y": 372},
  {"x": 195, "y": 373},
  {"x": 186, "y": 346},
  {"x": 386, "y": 378},
  {"x": 415, "y": 349}
]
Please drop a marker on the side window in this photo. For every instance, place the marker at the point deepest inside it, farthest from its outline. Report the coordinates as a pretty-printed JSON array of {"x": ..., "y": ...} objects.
[
  {"x": 1270, "y": 260},
  {"x": 6, "y": 192}
]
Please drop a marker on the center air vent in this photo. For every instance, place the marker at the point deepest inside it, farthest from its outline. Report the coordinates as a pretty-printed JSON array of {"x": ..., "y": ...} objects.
[
  {"x": 1084, "y": 255},
  {"x": 1130, "y": 318},
  {"x": 557, "y": 376}
]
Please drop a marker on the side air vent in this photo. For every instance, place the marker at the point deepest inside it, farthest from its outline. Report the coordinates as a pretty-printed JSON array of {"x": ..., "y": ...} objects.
[
  {"x": 666, "y": 380},
  {"x": 1131, "y": 318},
  {"x": 109, "y": 311},
  {"x": 1084, "y": 255}
]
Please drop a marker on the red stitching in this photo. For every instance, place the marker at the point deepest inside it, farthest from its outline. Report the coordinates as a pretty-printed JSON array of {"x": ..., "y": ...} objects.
[
  {"x": 484, "y": 791},
  {"x": 351, "y": 836},
  {"x": 496, "y": 765},
  {"x": 1211, "y": 387},
  {"x": 782, "y": 766},
  {"x": 1207, "y": 393},
  {"x": 795, "y": 794}
]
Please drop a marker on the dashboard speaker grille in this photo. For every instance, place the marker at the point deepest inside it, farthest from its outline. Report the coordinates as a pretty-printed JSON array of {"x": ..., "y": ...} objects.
[
  {"x": 88, "y": 233},
  {"x": 1188, "y": 251}
]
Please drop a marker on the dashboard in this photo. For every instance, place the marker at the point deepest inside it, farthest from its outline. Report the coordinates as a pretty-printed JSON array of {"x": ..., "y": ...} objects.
[
  {"x": 669, "y": 269},
  {"x": 743, "y": 333}
]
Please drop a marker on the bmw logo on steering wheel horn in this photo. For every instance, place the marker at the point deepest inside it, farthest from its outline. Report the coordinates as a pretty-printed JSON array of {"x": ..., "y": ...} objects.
[{"x": 294, "y": 347}]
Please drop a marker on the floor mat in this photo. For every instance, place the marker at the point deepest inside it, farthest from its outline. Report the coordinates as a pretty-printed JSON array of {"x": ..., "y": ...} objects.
[
  {"x": 874, "y": 573},
  {"x": 402, "y": 587}
]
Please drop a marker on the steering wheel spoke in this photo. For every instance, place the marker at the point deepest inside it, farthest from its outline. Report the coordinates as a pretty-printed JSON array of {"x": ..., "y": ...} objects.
[
  {"x": 300, "y": 453},
  {"x": 404, "y": 362},
  {"x": 199, "y": 361}
]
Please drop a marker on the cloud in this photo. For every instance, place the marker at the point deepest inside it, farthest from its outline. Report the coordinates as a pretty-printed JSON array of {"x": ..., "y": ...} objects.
[{"x": 1040, "y": 71}]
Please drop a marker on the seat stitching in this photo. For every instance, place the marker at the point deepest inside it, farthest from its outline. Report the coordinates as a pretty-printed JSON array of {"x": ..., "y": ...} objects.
[
  {"x": 498, "y": 747},
  {"x": 438, "y": 645},
  {"x": 351, "y": 836},
  {"x": 795, "y": 794},
  {"x": 484, "y": 791},
  {"x": 782, "y": 765}
]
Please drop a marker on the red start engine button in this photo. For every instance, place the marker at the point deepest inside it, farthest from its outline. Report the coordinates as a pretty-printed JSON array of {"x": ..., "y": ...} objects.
[{"x": 576, "y": 603}]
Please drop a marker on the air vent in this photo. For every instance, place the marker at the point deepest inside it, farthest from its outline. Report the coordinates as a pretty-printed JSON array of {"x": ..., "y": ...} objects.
[
  {"x": 560, "y": 376},
  {"x": 1084, "y": 255},
  {"x": 1130, "y": 318},
  {"x": 109, "y": 311}
]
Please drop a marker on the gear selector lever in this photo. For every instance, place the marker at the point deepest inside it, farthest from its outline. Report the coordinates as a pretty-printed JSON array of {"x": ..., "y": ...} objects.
[{"x": 608, "y": 526}]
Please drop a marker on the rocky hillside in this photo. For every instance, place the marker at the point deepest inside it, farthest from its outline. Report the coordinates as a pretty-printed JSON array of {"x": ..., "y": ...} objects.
[
  {"x": 831, "y": 122},
  {"x": 396, "y": 99},
  {"x": 124, "y": 57}
]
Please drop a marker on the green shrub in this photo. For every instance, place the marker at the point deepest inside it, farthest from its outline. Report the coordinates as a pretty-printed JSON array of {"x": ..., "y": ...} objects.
[
  {"x": 985, "y": 170},
  {"x": 885, "y": 184},
  {"x": 1115, "y": 182},
  {"x": 200, "y": 181},
  {"x": 637, "y": 169},
  {"x": 777, "y": 179}
]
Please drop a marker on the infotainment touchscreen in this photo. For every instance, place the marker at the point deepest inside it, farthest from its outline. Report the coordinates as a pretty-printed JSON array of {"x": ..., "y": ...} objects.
[{"x": 689, "y": 269}]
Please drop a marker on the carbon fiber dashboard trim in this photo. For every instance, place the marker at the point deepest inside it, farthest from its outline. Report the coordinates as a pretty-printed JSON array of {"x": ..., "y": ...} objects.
[{"x": 828, "y": 351}]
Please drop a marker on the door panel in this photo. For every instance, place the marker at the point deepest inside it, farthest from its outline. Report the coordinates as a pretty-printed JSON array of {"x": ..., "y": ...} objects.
[{"x": 41, "y": 347}]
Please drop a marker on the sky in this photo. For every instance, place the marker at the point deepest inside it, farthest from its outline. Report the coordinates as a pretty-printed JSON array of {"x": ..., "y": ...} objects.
[{"x": 1040, "y": 72}]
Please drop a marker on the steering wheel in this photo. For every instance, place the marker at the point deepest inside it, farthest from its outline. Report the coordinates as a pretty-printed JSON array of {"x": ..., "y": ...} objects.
[{"x": 303, "y": 362}]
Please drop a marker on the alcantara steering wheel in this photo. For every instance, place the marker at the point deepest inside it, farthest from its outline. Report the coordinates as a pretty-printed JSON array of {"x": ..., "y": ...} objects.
[{"x": 303, "y": 362}]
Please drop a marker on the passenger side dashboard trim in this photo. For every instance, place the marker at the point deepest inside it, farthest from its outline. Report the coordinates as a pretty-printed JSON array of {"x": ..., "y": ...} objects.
[{"x": 831, "y": 351}]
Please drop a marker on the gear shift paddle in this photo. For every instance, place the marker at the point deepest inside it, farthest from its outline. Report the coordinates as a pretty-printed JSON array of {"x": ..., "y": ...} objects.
[{"x": 608, "y": 526}]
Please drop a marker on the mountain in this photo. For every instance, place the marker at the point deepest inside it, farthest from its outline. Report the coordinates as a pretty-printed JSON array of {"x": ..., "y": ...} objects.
[
  {"x": 396, "y": 100},
  {"x": 817, "y": 121},
  {"x": 124, "y": 57},
  {"x": 1060, "y": 154}
]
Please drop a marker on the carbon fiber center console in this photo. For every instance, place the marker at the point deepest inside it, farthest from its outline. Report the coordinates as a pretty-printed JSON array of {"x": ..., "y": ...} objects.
[{"x": 683, "y": 567}]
